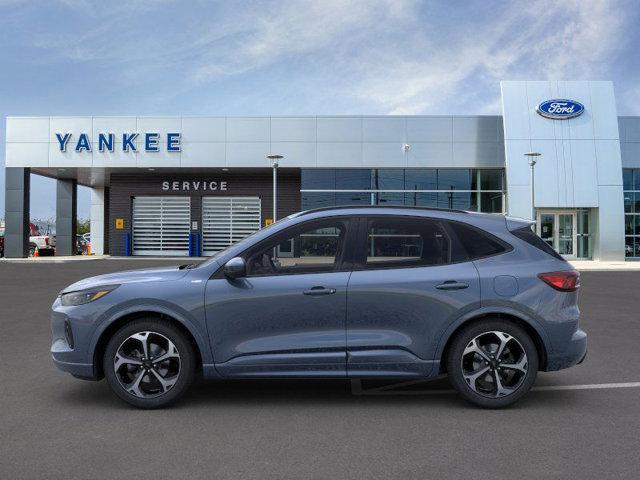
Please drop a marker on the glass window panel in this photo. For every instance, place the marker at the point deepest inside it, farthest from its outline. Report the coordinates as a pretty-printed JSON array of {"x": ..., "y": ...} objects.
[
  {"x": 491, "y": 179},
  {"x": 629, "y": 224},
  {"x": 429, "y": 200},
  {"x": 353, "y": 179},
  {"x": 636, "y": 202},
  {"x": 584, "y": 247},
  {"x": 454, "y": 179},
  {"x": 306, "y": 251},
  {"x": 636, "y": 178},
  {"x": 491, "y": 202},
  {"x": 421, "y": 179},
  {"x": 476, "y": 243},
  {"x": 390, "y": 198},
  {"x": 387, "y": 179},
  {"x": 318, "y": 179},
  {"x": 475, "y": 179},
  {"x": 318, "y": 200},
  {"x": 628, "y": 202},
  {"x": 458, "y": 200},
  {"x": 583, "y": 222},
  {"x": 627, "y": 178},
  {"x": 399, "y": 243},
  {"x": 353, "y": 198},
  {"x": 629, "y": 249}
]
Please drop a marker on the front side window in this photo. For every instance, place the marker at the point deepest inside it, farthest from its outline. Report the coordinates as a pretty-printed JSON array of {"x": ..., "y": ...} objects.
[
  {"x": 314, "y": 247},
  {"x": 406, "y": 242}
]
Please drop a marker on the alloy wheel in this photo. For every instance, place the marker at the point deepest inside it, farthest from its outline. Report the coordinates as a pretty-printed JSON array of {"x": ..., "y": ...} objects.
[
  {"x": 147, "y": 364},
  {"x": 494, "y": 364}
]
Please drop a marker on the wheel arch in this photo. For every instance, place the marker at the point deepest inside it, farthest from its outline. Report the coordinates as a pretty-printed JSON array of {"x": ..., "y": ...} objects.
[
  {"x": 118, "y": 322},
  {"x": 537, "y": 336}
]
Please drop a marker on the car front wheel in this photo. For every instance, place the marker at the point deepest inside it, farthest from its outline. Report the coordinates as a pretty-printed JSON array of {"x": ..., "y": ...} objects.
[
  {"x": 149, "y": 363},
  {"x": 492, "y": 363}
]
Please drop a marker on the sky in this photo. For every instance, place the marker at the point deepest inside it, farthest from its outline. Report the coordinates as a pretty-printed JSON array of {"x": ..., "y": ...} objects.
[{"x": 161, "y": 57}]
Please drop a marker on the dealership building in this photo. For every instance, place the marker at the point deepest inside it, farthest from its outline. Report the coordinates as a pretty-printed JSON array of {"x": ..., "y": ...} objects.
[{"x": 180, "y": 185}]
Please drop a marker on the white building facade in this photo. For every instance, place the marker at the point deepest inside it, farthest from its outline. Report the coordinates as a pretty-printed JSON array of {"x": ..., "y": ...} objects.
[{"x": 192, "y": 185}]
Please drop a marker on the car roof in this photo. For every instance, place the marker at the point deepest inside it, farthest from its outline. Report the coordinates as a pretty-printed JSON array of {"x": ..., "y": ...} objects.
[
  {"x": 379, "y": 208},
  {"x": 484, "y": 220}
]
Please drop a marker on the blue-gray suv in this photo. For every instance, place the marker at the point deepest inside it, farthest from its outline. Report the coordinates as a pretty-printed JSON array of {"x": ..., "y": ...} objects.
[{"x": 351, "y": 292}]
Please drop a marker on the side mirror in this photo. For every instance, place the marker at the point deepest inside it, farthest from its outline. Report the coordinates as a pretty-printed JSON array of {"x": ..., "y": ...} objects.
[{"x": 235, "y": 268}]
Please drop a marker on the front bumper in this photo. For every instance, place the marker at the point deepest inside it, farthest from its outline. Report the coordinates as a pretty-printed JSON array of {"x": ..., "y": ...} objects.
[
  {"x": 84, "y": 371},
  {"x": 68, "y": 346},
  {"x": 573, "y": 354}
]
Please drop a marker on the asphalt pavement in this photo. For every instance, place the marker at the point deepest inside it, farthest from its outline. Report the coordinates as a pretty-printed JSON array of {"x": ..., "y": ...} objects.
[{"x": 579, "y": 423}]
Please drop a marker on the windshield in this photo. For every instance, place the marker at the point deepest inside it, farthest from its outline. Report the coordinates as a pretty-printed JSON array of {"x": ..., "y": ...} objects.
[{"x": 245, "y": 240}]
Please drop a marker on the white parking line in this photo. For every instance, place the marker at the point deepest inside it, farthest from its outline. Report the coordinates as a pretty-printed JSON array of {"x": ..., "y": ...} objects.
[{"x": 356, "y": 388}]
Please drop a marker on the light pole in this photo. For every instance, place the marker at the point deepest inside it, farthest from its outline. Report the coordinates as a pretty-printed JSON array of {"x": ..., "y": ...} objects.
[
  {"x": 274, "y": 163},
  {"x": 532, "y": 163}
]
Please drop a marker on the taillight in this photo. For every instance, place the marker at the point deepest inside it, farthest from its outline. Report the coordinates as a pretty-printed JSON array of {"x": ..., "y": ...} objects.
[
  {"x": 562, "y": 281},
  {"x": 46, "y": 240}
]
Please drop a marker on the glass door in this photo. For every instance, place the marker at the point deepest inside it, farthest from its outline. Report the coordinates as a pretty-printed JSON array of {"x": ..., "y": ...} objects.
[
  {"x": 566, "y": 244},
  {"x": 558, "y": 229},
  {"x": 546, "y": 228}
]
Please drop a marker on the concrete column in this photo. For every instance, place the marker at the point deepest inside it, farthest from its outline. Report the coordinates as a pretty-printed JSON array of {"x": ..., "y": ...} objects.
[
  {"x": 610, "y": 224},
  {"x": 17, "y": 190},
  {"x": 66, "y": 217},
  {"x": 97, "y": 221}
]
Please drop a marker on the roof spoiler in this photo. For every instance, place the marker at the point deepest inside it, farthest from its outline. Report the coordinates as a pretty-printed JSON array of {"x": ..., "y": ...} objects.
[{"x": 514, "y": 223}]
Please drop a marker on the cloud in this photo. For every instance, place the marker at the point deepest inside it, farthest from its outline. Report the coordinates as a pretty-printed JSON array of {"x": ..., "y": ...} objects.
[
  {"x": 540, "y": 40},
  {"x": 391, "y": 56}
]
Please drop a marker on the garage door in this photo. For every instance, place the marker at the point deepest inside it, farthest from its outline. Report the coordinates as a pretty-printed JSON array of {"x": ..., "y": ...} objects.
[
  {"x": 226, "y": 220},
  {"x": 161, "y": 225}
]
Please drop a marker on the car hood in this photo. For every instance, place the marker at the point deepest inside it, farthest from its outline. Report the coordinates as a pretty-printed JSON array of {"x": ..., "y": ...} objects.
[{"x": 161, "y": 274}]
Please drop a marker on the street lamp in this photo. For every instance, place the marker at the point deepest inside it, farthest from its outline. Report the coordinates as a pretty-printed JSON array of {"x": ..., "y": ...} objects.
[
  {"x": 532, "y": 163},
  {"x": 274, "y": 163}
]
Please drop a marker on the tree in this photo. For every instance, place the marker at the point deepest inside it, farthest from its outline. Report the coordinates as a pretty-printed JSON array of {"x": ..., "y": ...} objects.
[{"x": 84, "y": 226}]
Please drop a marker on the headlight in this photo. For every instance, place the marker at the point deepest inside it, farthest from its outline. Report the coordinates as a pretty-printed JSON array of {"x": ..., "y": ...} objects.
[{"x": 85, "y": 296}]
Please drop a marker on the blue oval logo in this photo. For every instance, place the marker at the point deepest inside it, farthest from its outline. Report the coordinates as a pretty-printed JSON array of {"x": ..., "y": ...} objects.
[{"x": 560, "y": 109}]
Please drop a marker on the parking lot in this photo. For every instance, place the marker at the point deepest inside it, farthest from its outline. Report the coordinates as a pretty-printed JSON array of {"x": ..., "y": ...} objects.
[{"x": 580, "y": 423}]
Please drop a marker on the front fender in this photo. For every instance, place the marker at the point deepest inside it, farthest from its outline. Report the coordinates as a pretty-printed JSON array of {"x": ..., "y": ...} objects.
[{"x": 159, "y": 307}]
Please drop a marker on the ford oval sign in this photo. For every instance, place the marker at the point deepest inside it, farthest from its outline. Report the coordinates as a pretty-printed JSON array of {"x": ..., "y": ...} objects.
[{"x": 560, "y": 109}]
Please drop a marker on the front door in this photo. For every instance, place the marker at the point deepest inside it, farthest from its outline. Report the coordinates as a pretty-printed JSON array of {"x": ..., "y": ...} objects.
[
  {"x": 287, "y": 316},
  {"x": 559, "y": 230}
]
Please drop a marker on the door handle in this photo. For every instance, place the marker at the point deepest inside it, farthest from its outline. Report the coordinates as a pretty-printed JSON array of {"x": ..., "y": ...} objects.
[
  {"x": 317, "y": 291},
  {"x": 452, "y": 285}
]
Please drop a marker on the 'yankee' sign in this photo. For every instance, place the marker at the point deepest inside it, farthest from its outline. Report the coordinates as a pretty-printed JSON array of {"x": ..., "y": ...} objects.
[{"x": 107, "y": 142}]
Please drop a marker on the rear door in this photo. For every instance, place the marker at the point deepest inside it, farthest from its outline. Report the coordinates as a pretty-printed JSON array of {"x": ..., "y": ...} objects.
[{"x": 404, "y": 292}]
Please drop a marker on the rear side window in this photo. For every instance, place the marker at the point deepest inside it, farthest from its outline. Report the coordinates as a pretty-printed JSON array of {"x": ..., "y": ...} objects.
[
  {"x": 476, "y": 243},
  {"x": 406, "y": 242},
  {"x": 534, "y": 240}
]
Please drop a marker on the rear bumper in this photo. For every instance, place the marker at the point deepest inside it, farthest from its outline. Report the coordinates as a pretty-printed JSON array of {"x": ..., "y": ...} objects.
[{"x": 573, "y": 354}]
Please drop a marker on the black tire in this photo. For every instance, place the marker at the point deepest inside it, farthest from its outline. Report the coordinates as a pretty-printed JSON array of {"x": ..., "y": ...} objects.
[
  {"x": 32, "y": 249},
  {"x": 522, "y": 382},
  {"x": 186, "y": 362}
]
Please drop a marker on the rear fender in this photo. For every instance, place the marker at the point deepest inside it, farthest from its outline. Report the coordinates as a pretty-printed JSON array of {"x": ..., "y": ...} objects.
[{"x": 487, "y": 311}]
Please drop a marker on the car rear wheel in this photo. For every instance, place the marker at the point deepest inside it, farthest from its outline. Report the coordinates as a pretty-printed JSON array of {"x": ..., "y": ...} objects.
[
  {"x": 492, "y": 363},
  {"x": 149, "y": 363}
]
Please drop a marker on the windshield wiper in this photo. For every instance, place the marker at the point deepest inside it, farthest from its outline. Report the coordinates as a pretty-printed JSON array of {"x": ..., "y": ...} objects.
[{"x": 187, "y": 266}]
